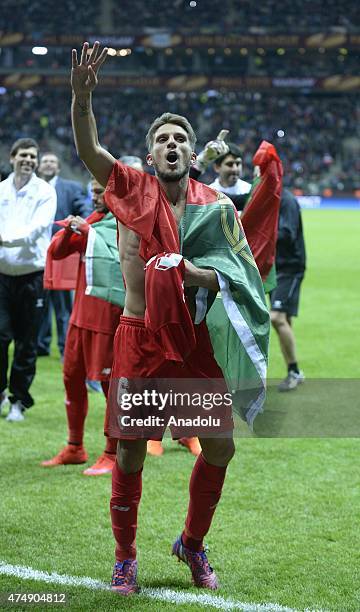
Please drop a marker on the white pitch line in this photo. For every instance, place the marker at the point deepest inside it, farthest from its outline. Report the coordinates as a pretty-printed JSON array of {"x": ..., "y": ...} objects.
[{"x": 175, "y": 597}]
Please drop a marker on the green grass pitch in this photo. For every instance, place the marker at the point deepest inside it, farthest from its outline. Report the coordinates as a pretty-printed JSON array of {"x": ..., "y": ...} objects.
[{"x": 287, "y": 528}]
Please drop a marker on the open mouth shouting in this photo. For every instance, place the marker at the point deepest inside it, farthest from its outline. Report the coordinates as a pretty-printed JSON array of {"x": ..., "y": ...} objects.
[{"x": 172, "y": 158}]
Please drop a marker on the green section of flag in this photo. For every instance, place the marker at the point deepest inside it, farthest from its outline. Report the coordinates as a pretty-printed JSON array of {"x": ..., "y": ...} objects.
[
  {"x": 238, "y": 323},
  {"x": 103, "y": 272}
]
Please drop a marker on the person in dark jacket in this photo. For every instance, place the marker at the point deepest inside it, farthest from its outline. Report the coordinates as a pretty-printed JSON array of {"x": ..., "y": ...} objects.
[
  {"x": 290, "y": 269},
  {"x": 71, "y": 200}
]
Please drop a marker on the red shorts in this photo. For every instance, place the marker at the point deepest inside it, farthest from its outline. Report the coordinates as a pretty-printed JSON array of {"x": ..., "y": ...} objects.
[
  {"x": 90, "y": 351},
  {"x": 140, "y": 369}
]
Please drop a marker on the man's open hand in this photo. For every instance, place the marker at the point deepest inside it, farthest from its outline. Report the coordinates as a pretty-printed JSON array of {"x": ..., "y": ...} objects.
[{"x": 84, "y": 74}]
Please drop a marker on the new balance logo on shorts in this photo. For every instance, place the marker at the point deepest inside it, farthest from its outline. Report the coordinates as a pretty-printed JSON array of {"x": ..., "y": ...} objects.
[
  {"x": 277, "y": 304},
  {"x": 40, "y": 303}
]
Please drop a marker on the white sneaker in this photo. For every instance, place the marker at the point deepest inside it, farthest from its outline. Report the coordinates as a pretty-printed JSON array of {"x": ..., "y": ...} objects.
[
  {"x": 4, "y": 400},
  {"x": 292, "y": 380},
  {"x": 16, "y": 412}
]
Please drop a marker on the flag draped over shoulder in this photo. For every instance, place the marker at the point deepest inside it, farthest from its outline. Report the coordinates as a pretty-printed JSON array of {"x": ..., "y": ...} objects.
[
  {"x": 238, "y": 320},
  {"x": 260, "y": 217},
  {"x": 212, "y": 238},
  {"x": 102, "y": 265}
]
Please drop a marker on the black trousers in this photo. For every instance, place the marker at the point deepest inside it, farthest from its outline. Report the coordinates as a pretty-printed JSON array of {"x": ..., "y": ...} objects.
[
  {"x": 21, "y": 309},
  {"x": 61, "y": 302}
]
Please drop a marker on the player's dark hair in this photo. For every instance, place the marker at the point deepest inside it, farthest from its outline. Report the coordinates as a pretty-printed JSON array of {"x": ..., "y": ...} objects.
[
  {"x": 170, "y": 118},
  {"x": 233, "y": 150},
  {"x": 24, "y": 143}
]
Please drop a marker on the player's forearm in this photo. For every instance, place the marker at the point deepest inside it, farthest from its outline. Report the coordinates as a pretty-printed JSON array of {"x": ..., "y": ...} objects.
[
  {"x": 200, "y": 277},
  {"x": 84, "y": 126},
  {"x": 208, "y": 280},
  {"x": 98, "y": 161}
]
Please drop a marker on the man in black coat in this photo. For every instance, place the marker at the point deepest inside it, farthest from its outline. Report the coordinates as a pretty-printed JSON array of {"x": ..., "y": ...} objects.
[{"x": 71, "y": 200}]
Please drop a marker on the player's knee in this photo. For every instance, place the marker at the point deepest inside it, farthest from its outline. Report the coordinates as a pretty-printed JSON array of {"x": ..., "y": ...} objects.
[
  {"x": 228, "y": 451},
  {"x": 218, "y": 451},
  {"x": 277, "y": 319},
  {"x": 131, "y": 455}
]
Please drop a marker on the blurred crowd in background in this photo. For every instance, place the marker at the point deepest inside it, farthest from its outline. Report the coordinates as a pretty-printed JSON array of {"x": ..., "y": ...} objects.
[
  {"x": 215, "y": 16},
  {"x": 315, "y": 135}
]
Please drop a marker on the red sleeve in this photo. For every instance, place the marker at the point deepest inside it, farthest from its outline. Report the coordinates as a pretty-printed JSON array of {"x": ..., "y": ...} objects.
[
  {"x": 64, "y": 243},
  {"x": 133, "y": 197}
]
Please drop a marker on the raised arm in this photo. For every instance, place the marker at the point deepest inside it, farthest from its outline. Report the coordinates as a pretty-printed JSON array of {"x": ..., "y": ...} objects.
[{"x": 83, "y": 81}]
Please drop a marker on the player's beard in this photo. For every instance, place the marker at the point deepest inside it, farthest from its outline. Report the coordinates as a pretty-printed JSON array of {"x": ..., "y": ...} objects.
[{"x": 170, "y": 176}]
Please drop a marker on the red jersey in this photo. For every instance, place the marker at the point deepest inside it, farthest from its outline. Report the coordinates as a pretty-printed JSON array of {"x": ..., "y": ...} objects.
[{"x": 167, "y": 314}]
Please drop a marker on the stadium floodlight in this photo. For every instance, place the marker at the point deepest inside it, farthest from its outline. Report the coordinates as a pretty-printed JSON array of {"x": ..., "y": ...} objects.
[
  {"x": 122, "y": 52},
  {"x": 111, "y": 51},
  {"x": 39, "y": 50}
]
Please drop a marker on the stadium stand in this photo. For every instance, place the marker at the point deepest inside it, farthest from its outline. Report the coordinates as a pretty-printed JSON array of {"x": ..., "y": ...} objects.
[
  {"x": 216, "y": 16},
  {"x": 316, "y": 147},
  {"x": 301, "y": 95}
]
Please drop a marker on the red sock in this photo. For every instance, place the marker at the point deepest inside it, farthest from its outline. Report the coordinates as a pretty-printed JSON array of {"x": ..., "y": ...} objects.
[
  {"x": 205, "y": 490},
  {"x": 76, "y": 403},
  {"x": 124, "y": 502}
]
